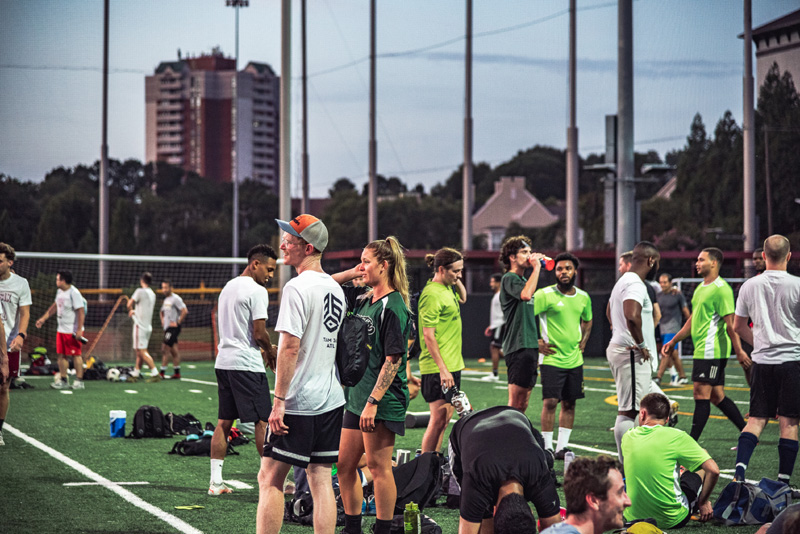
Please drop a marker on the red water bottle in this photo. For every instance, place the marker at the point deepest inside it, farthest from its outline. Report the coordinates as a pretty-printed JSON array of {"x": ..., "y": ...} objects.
[{"x": 547, "y": 263}]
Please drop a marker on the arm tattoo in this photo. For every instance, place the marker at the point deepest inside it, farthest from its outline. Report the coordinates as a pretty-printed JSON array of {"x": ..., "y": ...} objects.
[{"x": 388, "y": 373}]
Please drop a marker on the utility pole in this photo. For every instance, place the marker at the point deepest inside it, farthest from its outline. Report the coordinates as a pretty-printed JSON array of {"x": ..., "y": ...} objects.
[
  {"x": 306, "y": 206},
  {"x": 749, "y": 135},
  {"x": 626, "y": 190},
  {"x": 572, "y": 139},
  {"x": 235, "y": 4},
  {"x": 285, "y": 198},
  {"x": 372, "y": 231},
  {"x": 103, "y": 223},
  {"x": 466, "y": 194}
]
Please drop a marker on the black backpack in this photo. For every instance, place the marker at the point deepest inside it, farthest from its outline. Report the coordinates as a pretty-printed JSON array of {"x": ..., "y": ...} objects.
[
  {"x": 418, "y": 480},
  {"x": 197, "y": 447},
  {"x": 183, "y": 424},
  {"x": 149, "y": 422},
  {"x": 352, "y": 352}
]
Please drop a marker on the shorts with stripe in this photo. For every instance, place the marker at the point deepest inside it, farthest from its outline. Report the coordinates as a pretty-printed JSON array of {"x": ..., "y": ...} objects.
[
  {"x": 631, "y": 376},
  {"x": 141, "y": 336},
  {"x": 311, "y": 439},
  {"x": 710, "y": 372}
]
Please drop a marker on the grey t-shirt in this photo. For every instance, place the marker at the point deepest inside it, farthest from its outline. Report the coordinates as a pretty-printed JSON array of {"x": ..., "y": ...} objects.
[
  {"x": 561, "y": 528},
  {"x": 672, "y": 305}
]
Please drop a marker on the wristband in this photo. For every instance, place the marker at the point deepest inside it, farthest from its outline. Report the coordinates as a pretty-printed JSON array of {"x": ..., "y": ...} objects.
[
  {"x": 280, "y": 398},
  {"x": 22, "y": 335},
  {"x": 641, "y": 345},
  {"x": 372, "y": 400}
]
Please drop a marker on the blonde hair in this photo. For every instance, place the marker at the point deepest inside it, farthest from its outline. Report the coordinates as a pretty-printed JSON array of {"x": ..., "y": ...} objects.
[{"x": 391, "y": 251}]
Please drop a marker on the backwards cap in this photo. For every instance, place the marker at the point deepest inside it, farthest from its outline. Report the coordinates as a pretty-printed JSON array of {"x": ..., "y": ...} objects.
[{"x": 308, "y": 228}]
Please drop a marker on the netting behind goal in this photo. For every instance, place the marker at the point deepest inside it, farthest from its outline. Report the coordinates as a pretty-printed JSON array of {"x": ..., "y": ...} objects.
[
  {"x": 687, "y": 287},
  {"x": 198, "y": 281}
]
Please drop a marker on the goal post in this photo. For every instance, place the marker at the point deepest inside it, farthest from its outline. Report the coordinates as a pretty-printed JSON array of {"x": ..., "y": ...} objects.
[{"x": 197, "y": 280}]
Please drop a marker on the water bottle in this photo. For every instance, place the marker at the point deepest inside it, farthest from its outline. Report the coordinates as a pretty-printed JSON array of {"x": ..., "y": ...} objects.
[
  {"x": 411, "y": 519},
  {"x": 568, "y": 457},
  {"x": 547, "y": 263},
  {"x": 458, "y": 399}
]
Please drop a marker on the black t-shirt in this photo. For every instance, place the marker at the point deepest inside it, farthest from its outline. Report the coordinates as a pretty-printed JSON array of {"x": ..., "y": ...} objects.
[{"x": 492, "y": 446}]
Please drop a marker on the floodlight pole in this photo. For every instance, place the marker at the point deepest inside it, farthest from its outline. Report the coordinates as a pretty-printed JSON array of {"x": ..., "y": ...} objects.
[
  {"x": 572, "y": 140},
  {"x": 749, "y": 135},
  {"x": 103, "y": 178},
  {"x": 306, "y": 208},
  {"x": 626, "y": 191},
  {"x": 372, "y": 201},
  {"x": 285, "y": 198},
  {"x": 467, "y": 174}
]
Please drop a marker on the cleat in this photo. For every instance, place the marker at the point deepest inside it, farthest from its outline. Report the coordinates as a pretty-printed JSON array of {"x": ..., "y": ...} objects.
[
  {"x": 161, "y": 373},
  {"x": 176, "y": 376},
  {"x": 289, "y": 488},
  {"x": 489, "y": 378},
  {"x": 153, "y": 378},
  {"x": 682, "y": 381},
  {"x": 1, "y": 439},
  {"x": 78, "y": 384},
  {"x": 60, "y": 384},
  {"x": 219, "y": 489},
  {"x": 673, "y": 414},
  {"x": 560, "y": 454}
]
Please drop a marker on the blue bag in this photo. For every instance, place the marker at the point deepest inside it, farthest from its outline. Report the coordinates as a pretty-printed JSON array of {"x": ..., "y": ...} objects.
[{"x": 743, "y": 503}]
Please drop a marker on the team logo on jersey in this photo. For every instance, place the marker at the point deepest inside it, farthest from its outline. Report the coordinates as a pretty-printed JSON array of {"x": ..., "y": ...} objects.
[{"x": 332, "y": 310}]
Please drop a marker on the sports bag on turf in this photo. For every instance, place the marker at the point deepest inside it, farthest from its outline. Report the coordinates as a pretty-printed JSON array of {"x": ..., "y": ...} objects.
[
  {"x": 743, "y": 503},
  {"x": 418, "y": 480},
  {"x": 352, "y": 351},
  {"x": 183, "y": 424},
  {"x": 197, "y": 446},
  {"x": 149, "y": 422}
]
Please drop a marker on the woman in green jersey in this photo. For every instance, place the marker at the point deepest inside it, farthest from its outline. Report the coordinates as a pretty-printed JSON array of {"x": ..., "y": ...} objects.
[{"x": 376, "y": 406}]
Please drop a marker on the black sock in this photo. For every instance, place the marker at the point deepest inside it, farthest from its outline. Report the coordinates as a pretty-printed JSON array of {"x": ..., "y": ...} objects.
[
  {"x": 1, "y": 423},
  {"x": 352, "y": 524},
  {"x": 176, "y": 370},
  {"x": 730, "y": 410},
  {"x": 787, "y": 454},
  {"x": 383, "y": 526},
  {"x": 744, "y": 450},
  {"x": 702, "y": 409}
]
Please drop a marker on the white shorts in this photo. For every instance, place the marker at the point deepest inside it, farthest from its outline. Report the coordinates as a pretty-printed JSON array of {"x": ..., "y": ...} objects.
[
  {"x": 141, "y": 337},
  {"x": 619, "y": 359}
]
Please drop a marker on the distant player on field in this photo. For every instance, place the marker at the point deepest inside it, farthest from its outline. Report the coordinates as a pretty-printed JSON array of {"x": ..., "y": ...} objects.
[
  {"x": 144, "y": 300},
  {"x": 173, "y": 313}
]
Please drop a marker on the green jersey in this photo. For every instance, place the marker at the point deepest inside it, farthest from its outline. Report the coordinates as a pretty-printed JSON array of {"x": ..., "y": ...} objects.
[
  {"x": 653, "y": 456},
  {"x": 519, "y": 314},
  {"x": 388, "y": 327},
  {"x": 439, "y": 309},
  {"x": 710, "y": 304},
  {"x": 560, "y": 319}
]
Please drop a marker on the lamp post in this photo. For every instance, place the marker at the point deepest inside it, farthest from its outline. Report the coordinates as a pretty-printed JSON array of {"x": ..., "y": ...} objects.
[{"x": 236, "y": 4}]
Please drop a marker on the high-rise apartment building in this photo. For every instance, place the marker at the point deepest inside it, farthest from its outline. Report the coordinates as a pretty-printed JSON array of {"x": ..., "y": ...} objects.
[{"x": 190, "y": 118}]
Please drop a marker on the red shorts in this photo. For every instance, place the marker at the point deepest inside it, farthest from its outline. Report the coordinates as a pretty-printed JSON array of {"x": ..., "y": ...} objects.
[
  {"x": 13, "y": 364},
  {"x": 67, "y": 345}
]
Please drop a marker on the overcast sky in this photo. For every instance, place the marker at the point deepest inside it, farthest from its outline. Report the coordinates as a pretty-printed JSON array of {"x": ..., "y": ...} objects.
[{"x": 687, "y": 59}]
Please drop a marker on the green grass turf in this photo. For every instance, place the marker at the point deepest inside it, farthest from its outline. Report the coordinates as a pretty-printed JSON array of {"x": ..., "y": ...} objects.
[{"x": 35, "y": 499}]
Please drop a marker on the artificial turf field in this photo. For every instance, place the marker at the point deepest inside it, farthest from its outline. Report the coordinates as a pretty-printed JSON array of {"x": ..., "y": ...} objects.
[{"x": 61, "y": 472}]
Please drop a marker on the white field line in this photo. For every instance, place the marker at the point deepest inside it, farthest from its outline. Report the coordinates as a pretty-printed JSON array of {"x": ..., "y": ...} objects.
[
  {"x": 100, "y": 484},
  {"x": 238, "y": 484},
  {"x": 168, "y": 518}
]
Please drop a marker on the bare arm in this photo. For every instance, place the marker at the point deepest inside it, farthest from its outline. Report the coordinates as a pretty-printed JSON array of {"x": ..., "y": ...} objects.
[
  {"x": 288, "y": 349},
  {"x": 682, "y": 334},
  {"x": 461, "y": 291},
  {"x": 711, "y": 471},
  {"x": 261, "y": 337},
  {"x": 608, "y": 314},
  {"x": 81, "y": 319},
  {"x": 385, "y": 378},
  {"x": 586, "y": 331},
  {"x": 686, "y": 313},
  {"x": 184, "y": 313},
  {"x": 633, "y": 319},
  {"x": 741, "y": 325},
  {"x": 345, "y": 276},
  {"x": 656, "y": 314},
  {"x": 24, "y": 317},
  {"x": 741, "y": 355},
  {"x": 4, "y": 371},
  {"x": 446, "y": 379},
  {"x": 40, "y": 321},
  {"x": 533, "y": 281}
]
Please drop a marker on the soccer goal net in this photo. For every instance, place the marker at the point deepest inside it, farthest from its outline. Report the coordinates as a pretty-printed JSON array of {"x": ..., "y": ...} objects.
[
  {"x": 198, "y": 281},
  {"x": 687, "y": 287}
]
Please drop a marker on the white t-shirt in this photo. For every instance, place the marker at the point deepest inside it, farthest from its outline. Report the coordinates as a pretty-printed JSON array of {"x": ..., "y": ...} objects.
[
  {"x": 312, "y": 309},
  {"x": 14, "y": 293},
  {"x": 772, "y": 301},
  {"x": 145, "y": 301},
  {"x": 631, "y": 287},
  {"x": 171, "y": 310},
  {"x": 496, "y": 319},
  {"x": 67, "y": 305},
  {"x": 241, "y": 302}
]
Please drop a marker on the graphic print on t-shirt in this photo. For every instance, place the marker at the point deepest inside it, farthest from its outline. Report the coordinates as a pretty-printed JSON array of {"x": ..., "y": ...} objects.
[{"x": 332, "y": 310}]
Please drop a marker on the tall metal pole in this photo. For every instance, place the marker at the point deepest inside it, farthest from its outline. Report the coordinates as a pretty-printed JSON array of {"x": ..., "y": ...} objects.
[
  {"x": 572, "y": 140},
  {"x": 749, "y": 133},
  {"x": 103, "y": 223},
  {"x": 234, "y": 147},
  {"x": 767, "y": 180},
  {"x": 466, "y": 194},
  {"x": 285, "y": 201},
  {"x": 626, "y": 192},
  {"x": 306, "y": 199},
  {"x": 373, "y": 143}
]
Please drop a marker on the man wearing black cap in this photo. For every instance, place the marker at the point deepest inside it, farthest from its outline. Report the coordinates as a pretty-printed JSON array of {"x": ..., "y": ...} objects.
[{"x": 306, "y": 420}]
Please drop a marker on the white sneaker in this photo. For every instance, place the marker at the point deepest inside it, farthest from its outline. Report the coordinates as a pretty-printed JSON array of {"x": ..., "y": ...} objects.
[
  {"x": 219, "y": 489},
  {"x": 78, "y": 384},
  {"x": 60, "y": 384},
  {"x": 1, "y": 439},
  {"x": 490, "y": 378}
]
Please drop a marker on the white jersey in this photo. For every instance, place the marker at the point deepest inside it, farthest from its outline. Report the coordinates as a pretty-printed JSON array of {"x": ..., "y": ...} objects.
[
  {"x": 67, "y": 305},
  {"x": 496, "y": 318},
  {"x": 171, "y": 310},
  {"x": 772, "y": 301},
  {"x": 312, "y": 309},
  {"x": 145, "y": 300},
  {"x": 241, "y": 302},
  {"x": 631, "y": 287},
  {"x": 14, "y": 293}
]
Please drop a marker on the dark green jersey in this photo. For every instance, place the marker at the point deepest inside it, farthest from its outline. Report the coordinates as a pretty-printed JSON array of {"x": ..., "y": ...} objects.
[
  {"x": 388, "y": 330},
  {"x": 520, "y": 318}
]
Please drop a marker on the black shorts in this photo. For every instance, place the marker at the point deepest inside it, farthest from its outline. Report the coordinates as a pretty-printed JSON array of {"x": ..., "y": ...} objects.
[
  {"x": 432, "y": 386},
  {"x": 710, "y": 372},
  {"x": 171, "y": 335},
  {"x": 774, "y": 390},
  {"x": 523, "y": 367},
  {"x": 691, "y": 483},
  {"x": 562, "y": 384},
  {"x": 351, "y": 421},
  {"x": 243, "y": 395},
  {"x": 497, "y": 336},
  {"x": 311, "y": 439}
]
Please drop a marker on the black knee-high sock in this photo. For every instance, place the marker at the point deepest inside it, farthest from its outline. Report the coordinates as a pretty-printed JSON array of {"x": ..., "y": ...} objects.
[
  {"x": 383, "y": 526},
  {"x": 787, "y": 454},
  {"x": 702, "y": 409},
  {"x": 352, "y": 524},
  {"x": 732, "y": 412}
]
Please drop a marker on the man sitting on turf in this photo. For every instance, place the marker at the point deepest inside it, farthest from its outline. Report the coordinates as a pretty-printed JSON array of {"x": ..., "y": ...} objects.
[
  {"x": 654, "y": 455},
  {"x": 595, "y": 494}
]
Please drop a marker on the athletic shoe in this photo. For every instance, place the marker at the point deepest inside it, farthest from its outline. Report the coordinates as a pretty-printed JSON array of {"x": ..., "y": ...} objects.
[
  {"x": 60, "y": 384},
  {"x": 560, "y": 454},
  {"x": 490, "y": 378},
  {"x": 219, "y": 489},
  {"x": 154, "y": 378},
  {"x": 682, "y": 381},
  {"x": 368, "y": 506},
  {"x": 795, "y": 491},
  {"x": 176, "y": 376},
  {"x": 162, "y": 374},
  {"x": 673, "y": 414},
  {"x": 1, "y": 439},
  {"x": 78, "y": 384},
  {"x": 289, "y": 488}
]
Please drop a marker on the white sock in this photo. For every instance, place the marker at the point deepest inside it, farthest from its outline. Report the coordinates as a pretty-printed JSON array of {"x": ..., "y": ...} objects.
[
  {"x": 135, "y": 373},
  {"x": 622, "y": 425},
  {"x": 216, "y": 472},
  {"x": 153, "y": 371},
  {"x": 563, "y": 438},
  {"x": 548, "y": 440}
]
